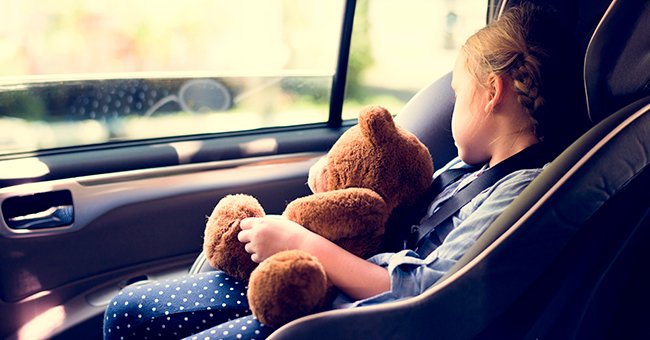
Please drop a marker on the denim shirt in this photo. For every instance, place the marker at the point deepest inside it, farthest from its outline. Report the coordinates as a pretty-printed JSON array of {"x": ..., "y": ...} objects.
[{"x": 411, "y": 275}]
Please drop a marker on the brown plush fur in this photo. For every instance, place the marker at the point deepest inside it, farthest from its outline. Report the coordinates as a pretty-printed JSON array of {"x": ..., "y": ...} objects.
[
  {"x": 368, "y": 208},
  {"x": 306, "y": 288},
  {"x": 374, "y": 168},
  {"x": 221, "y": 247}
]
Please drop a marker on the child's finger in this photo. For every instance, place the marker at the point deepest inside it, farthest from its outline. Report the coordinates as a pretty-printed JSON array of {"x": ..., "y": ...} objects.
[
  {"x": 244, "y": 236},
  {"x": 247, "y": 223},
  {"x": 248, "y": 247}
]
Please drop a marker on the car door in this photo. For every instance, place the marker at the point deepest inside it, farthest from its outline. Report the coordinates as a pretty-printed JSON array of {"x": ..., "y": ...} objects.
[{"x": 122, "y": 124}]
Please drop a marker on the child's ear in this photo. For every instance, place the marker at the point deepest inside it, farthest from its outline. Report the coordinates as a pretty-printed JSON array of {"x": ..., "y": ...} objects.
[{"x": 495, "y": 92}]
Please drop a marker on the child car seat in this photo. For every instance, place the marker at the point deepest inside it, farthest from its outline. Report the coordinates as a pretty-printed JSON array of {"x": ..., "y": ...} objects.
[{"x": 561, "y": 261}]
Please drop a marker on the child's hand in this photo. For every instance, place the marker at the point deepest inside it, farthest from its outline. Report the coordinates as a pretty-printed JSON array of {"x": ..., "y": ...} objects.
[{"x": 265, "y": 236}]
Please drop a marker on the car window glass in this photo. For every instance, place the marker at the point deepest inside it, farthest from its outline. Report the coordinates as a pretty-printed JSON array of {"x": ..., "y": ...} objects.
[
  {"x": 79, "y": 72},
  {"x": 399, "y": 47}
]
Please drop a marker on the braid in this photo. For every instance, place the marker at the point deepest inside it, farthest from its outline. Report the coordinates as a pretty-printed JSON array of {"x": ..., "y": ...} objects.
[{"x": 526, "y": 81}]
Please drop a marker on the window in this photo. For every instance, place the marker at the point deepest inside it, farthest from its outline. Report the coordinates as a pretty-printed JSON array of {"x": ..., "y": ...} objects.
[
  {"x": 77, "y": 72},
  {"x": 399, "y": 47},
  {"x": 84, "y": 72}
]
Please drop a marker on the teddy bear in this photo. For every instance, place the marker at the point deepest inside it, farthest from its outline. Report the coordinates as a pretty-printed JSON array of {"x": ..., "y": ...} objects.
[{"x": 373, "y": 168}]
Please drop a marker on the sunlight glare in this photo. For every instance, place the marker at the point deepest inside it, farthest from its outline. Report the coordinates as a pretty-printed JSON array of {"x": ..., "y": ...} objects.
[
  {"x": 259, "y": 146},
  {"x": 186, "y": 150},
  {"x": 24, "y": 168},
  {"x": 41, "y": 327}
]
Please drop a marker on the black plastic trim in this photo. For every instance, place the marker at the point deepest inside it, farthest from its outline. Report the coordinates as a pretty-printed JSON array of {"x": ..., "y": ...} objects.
[
  {"x": 340, "y": 76},
  {"x": 91, "y": 161}
]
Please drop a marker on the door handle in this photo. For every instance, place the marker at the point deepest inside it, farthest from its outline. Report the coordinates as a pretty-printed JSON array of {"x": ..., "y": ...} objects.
[
  {"x": 43, "y": 210},
  {"x": 51, "y": 218}
]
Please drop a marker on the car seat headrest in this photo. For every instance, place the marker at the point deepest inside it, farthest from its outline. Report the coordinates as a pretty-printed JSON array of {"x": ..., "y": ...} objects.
[
  {"x": 428, "y": 116},
  {"x": 617, "y": 61}
]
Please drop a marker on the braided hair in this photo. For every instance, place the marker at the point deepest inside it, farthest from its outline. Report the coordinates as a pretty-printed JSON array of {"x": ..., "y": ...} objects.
[{"x": 509, "y": 47}]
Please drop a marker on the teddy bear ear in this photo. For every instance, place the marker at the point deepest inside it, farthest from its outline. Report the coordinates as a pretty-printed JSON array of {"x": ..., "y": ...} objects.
[{"x": 376, "y": 123}]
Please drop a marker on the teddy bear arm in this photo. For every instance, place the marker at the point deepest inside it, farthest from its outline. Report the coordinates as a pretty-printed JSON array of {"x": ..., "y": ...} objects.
[{"x": 341, "y": 214}]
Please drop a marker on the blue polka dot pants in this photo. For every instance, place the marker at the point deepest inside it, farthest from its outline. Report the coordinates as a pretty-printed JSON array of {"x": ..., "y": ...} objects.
[{"x": 202, "y": 306}]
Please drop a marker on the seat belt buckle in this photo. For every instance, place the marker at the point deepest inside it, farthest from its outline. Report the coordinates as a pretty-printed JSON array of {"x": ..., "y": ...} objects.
[{"x": 412, "y": 238}]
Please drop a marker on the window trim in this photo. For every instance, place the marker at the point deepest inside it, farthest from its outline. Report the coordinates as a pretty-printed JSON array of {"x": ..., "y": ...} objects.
[{"x": 339, "y": 80}]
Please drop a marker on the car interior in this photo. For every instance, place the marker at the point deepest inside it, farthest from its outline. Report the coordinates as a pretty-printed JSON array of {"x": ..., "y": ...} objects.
[{"x": 560, "y": 262}]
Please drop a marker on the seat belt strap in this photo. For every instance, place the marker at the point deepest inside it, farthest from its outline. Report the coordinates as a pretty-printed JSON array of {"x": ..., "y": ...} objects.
[
  {"x": 532, "y": 157},
  {"x": 439, "y": 183}
]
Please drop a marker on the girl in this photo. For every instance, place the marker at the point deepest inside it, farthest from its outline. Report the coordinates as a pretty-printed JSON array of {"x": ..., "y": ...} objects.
[{"x": 497, "y": 80}]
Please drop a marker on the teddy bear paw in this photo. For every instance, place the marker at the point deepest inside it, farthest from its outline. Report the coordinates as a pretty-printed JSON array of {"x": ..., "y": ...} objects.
[
  {"x": 221, "y": 247},
  {"x": 286, "y": 286}
]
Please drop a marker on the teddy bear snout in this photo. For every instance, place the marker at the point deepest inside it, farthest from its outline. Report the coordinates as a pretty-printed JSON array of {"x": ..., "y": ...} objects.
[{"x": 317, "y": 180}]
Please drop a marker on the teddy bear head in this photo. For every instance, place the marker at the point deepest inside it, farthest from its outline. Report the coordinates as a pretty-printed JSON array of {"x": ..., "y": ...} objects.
[{"x": 395, "y": 164}]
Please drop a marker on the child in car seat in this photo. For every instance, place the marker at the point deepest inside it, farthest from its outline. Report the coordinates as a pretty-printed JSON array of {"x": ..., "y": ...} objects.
[{"x": 498, "y": 80}]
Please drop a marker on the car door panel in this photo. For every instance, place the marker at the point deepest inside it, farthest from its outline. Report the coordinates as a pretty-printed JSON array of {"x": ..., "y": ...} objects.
[{"x": 136, "y": 225}]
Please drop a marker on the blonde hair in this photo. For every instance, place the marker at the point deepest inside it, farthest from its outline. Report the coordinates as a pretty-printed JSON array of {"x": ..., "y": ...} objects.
[{"x": 505, "y": 48}]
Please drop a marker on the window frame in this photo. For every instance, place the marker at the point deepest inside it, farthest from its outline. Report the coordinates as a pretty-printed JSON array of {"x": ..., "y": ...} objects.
[
  {"x": 82, "y": 160},
  {"x": 337, "y": 96}
]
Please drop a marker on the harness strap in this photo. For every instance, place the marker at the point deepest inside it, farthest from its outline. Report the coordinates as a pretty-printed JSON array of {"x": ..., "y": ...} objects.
[{"x": 532, "y": 157}]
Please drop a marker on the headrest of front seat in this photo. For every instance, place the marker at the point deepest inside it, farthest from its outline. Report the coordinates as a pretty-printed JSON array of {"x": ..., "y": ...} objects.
[{"x": 618, "y": 59}]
